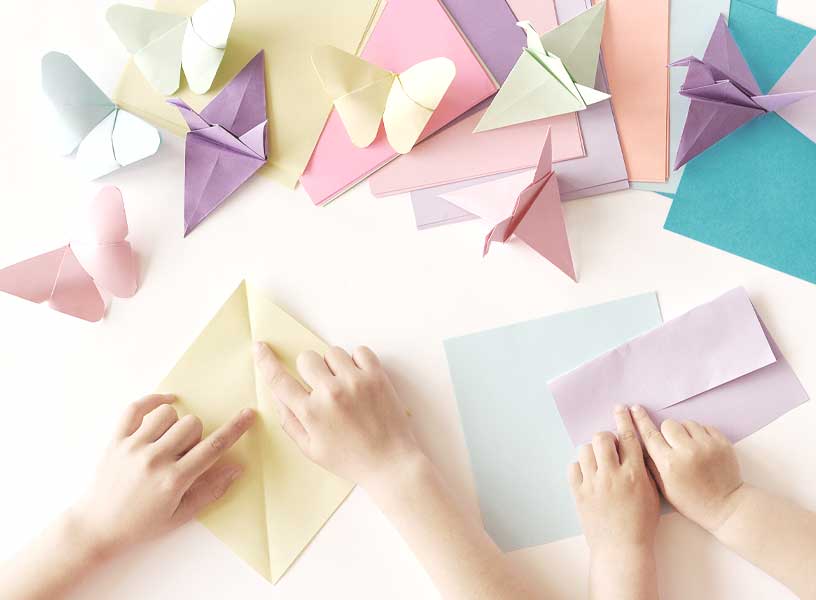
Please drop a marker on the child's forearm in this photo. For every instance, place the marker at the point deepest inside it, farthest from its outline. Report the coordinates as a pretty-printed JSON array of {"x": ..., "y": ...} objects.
[
  {"x": 456, "y": 552},
  {"x": 776, "y": 535},
  {"x": 53, "y": 563},
  {"x": 623, "y": 574}
]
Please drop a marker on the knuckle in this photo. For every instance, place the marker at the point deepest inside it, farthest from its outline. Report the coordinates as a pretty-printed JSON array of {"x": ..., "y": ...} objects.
[
  {"x": 218, "y": 443},
  {"x": 601, "y": 437},
  {"x": 652, "y": 434},
  {"x": 333, "y": 389},
  {"x": 627, "y": 436}
]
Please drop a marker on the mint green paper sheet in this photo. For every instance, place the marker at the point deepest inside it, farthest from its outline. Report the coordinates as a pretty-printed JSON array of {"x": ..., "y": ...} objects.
[
  {"x": 519, "y": 449},
  {"x": 691, "y": 24},
  {"x": 752, "y": 194}
]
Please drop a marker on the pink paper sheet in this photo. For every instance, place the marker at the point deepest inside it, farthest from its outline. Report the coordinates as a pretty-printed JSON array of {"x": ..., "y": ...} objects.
[
  {"x": 457, "y": 154},
  {"x": 716, "y": 365},
  {"x": 409, "y": 31}
]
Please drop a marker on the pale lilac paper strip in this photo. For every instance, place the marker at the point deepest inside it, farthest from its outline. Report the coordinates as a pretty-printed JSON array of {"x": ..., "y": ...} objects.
[{"x": 716, "y": 365}]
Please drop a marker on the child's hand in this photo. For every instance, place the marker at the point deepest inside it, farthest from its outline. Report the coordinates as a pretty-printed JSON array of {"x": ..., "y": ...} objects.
[
  {"x": 156, "y": 474},
  {"x": 617, "y": 499},
  {"x": 695, "y": 466},
  {"x": 351, "y": 422}
]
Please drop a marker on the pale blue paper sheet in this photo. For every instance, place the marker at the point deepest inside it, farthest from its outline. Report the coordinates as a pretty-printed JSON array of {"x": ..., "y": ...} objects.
[
  {"x": 752, "y": 193},
  {"x": 519, "y": 448}
]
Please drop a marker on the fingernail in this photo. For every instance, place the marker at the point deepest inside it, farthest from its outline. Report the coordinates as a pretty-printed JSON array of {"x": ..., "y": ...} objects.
[
  {"x": 258, "y": 348},
  {"x": 637, "y": 408},
  {"x": 170, "y": 397},
  {"x": 247, "y": 414},
  {"x": 620, "y": 408},
  {"x": 234, "y": 473}
]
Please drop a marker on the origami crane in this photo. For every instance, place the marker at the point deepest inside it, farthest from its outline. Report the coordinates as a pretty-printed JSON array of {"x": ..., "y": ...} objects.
[
  {"x": 226, "y": 143},
  {"x": 536, "y": 216},
  {"x": 69, "y": 278},
  {"x": 555, "y": 73},
  {"x": 163, "y": 44},
  {"x": 365, "y": 95},
  {"x": 724, "y": 95},
  {"x": 85, "y": 120}
]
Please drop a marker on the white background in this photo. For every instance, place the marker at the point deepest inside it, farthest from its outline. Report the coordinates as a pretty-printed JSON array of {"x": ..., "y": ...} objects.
[{"x": 355, "y": 272}]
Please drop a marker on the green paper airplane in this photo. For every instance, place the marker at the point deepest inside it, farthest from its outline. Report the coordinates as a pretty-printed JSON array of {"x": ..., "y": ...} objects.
[{"x": 554, "y": 75}]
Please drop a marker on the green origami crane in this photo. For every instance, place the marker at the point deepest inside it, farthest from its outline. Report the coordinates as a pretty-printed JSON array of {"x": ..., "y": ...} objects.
[{"x": 554, "y": 75}]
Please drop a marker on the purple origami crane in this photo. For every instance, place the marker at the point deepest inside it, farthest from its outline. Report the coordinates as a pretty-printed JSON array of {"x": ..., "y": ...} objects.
[
  {"x": 724, "y": 95},
  {"x": 226, "y": 143}
]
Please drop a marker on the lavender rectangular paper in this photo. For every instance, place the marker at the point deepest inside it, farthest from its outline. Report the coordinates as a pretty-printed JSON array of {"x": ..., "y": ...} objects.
[{"x": 717, "y": 365}]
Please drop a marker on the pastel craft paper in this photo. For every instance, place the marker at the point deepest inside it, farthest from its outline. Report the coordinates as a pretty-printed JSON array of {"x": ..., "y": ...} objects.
[
  {"x": 104, "y": 137},
  {"x": 408, "y": 32},
  {"x": 602, "y": 170},
  {"x": 288, "y": 33},
  {"x": 163, "y": 44},
  {"x": 716, "y": 365},
  {"x": 70, "y": 279},
  {"x": 636, "y": 51},
  {"x": 282, "y": 499},
  {"x": 686, "y": 38},
  {"x": 456, "y": 153},
  {"x": 518, "y": 447},
  {"x": 365, "y": 95},
  {"x": 535, "y": 216},
  {"x": 226, "y": 144},
  {"x": 724, "y": 95},
  {"x": 554, "y": 74},
  {"x": 800, "y": 76},
  {"x": 751, "y": 194}
]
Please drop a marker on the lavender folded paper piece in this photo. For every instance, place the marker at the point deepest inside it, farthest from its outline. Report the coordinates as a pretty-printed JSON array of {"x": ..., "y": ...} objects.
[
  {"x": 717, "y": 365},
  {"x": 724, "y": 95},
  {"x": 226, "y": 143}
]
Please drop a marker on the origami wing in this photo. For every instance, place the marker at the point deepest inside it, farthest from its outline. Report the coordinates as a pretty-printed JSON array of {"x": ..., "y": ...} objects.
[
  {"x": 414, "y": 96},
  {"x": 64, "y": 282},
  {"x": 86, "y": 120},
  {"x": 163, "y": 44},
  {"x": 554, "y": 74},
  {"x": 226, "y": 144},
  {"x": 364, "y": 95}
]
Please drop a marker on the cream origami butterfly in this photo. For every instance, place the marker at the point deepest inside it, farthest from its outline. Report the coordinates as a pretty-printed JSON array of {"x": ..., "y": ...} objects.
[
  {"x": 365, "y": 94},
  {"x": 163, "y": 43}
]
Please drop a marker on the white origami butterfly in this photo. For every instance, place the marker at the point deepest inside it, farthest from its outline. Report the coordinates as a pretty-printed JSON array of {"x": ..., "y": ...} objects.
[
  {"x": 163, "y": 43},
  {"x": 104, "y": 136},
  {"x": 365, "y": 94}
]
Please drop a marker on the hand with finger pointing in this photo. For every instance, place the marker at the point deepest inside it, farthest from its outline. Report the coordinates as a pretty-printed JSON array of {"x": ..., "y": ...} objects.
[
  {"x": 157, "y": 473},
  {"x": 619, "y": 509},
  {"x": 351, "y": 421}
]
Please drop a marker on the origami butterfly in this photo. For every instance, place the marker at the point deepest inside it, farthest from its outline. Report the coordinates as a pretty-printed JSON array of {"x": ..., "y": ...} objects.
[
  {"x": 724, "y": 95},
  {"x": 69, "y": 278},
  {"x": 226, "y": 143},
  {"x": 104, "y": 136},
  {"x": 535, "y": 216},
  {"x": 365, "y": 95},
  {"x": 163, "y": 43},
  {"x": 554, "y": 75}
]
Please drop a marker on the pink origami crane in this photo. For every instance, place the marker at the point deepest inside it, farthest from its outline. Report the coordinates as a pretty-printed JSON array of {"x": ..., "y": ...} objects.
[
  {"x": 535, "y": 216},
  {"x": 724, "y": 95},
  {"x": 226, "y": 143},
  {"x": 69, "y": 278}
]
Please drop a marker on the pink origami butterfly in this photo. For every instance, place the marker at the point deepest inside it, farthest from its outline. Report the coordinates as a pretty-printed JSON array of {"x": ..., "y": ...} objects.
[{"x": 69, "y": 278}]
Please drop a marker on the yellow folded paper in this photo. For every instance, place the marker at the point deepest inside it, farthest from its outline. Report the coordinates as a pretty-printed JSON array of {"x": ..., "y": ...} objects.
[
  {"x": 288, "y": 32},
  {"x": 282, "y": 499},
  {"x": 365, "y": 94}
]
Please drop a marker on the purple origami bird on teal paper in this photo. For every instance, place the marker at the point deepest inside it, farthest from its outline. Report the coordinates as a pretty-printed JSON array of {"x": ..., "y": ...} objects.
[
  {"x": 724, "y": 95},
  {"x": 226, "y": 143}
]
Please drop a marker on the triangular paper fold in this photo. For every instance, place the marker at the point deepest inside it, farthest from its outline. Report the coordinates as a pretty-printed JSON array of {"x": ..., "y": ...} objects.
[{"x": 282, "y": 499}]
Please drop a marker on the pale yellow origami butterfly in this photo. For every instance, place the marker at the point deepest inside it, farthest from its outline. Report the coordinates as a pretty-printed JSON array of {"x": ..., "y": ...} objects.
[{"x": 365, "y": 94}]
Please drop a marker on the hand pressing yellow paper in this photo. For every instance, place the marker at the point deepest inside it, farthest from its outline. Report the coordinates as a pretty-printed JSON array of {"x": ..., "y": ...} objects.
[
  {"x": 282, "y": 499},
  {"x": 365, "y": 94}
]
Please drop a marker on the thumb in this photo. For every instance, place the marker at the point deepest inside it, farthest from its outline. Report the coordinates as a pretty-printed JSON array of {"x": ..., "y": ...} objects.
[{"x": 208, "y": 488}]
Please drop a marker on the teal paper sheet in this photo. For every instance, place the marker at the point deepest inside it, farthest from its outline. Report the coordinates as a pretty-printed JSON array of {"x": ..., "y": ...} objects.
[
  {"x": 692, "y": 22},
  {"x": 519, "y": 449},
  {"x": 754, "y": 193}
]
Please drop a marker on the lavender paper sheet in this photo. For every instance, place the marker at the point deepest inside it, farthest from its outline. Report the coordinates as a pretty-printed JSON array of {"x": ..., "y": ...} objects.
[
  {"x": 601, "y": 171},
  {"x": 717, "y": 365}
]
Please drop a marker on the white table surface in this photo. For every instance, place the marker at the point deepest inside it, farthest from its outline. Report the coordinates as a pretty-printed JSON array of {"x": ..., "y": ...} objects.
[{"x": 356, "y": 272}]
